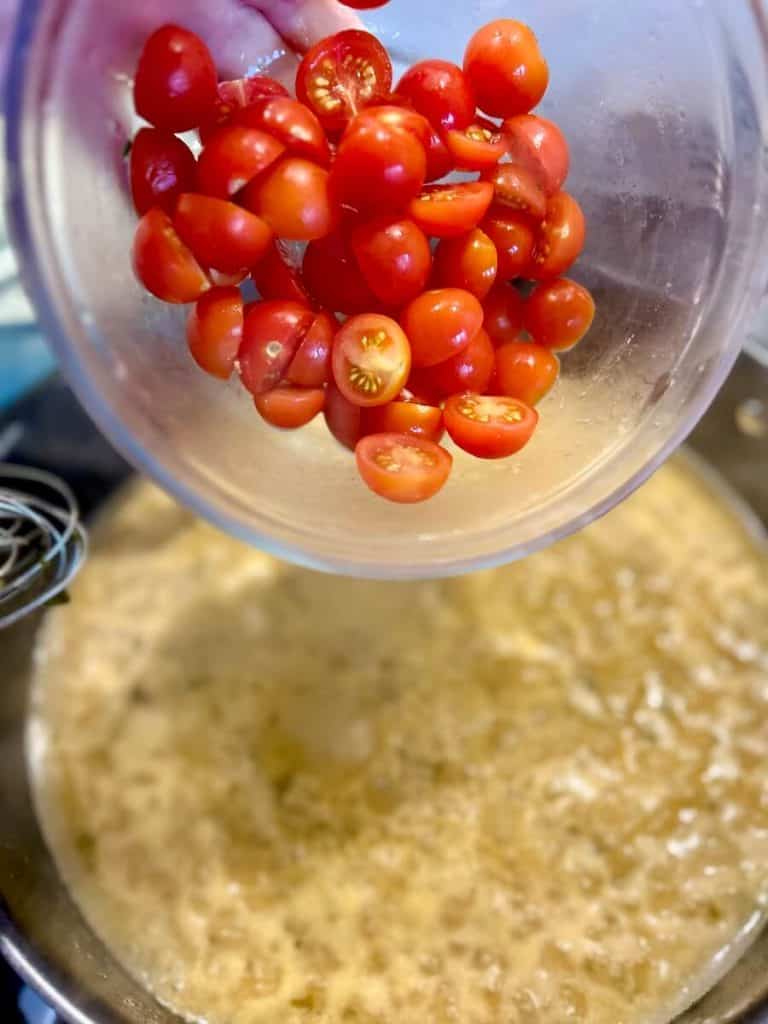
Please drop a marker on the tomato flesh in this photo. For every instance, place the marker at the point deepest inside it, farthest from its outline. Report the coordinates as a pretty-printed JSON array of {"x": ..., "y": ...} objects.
[
  {"x": 394, "y": 257},
  {"x": 237, "y": 95},
  {"x": 219, "y": 233},
  {"x": 294, "y": 199},
  {"x": 514, "y": 236},
  {"x": 449, "y": 210},
  {"x": 311, "y": 366},
  {"x": 162, "y": 167},
  {"x": 163, "y": 263},
  {"x": 440, "y": 323},
  {"x": 405, "y": 417},
  {"x": 272, "y": 331},
  {"x": 538, "y": 145},
  {"x": 560, "y": 239},
  {"x": 489, "y": 426},
  {"x": 175, "y": 83},
  {"x": 506, "y": 68},
  {"x": 215, "y": 330},
  {"x": 503, "y": 314},
  {"x": 476, "y": 148},
  {"x": 370, "y": 359},
  {"x": 441, "y": 92},
  {"x": 289, "y": 408},
  {"x": 469, "y": 262},
  {"x": 378, "y": 167},
  {"x": 517, "y": 189},
  {"x": 469, "y": 370},
  {"x": 558, "y": 314},
  {"x": 401, "y": 467},
  {"x": 232, "y": 157},
  {"x": 525, "y": 370}
]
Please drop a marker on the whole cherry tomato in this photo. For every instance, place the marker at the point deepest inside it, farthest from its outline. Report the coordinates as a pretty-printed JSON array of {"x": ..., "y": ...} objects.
[
  {"x": 525, "y": 370},
  {"x": 343, "y": 418},
  {"x": 469, "y": 370},
  {"x": 558, "y": 314},
  {"x": 363, "y": 5},
  {"x": 289, "y": 408},
  {"x": 503, "y": 313},
  {"x": 540, "y": 146},
  {"x": 449, "y": 210},
  {"x": 517, "y": 189},
  {"x": 371, "y": 359},
  {"x": 232, "y": 157},
  {"x": 215, "y": 330},
  {"x": 291, "y": 123},
  {"x": 219, "y": 233},
  {"x": 272, "y": 331},
  {"x": 294, "y": 199},
  {"x": 505, "y": 66},
  {"x": 333, "y": 277},
  {"x": 439, "y": 161},
  {"x": 162, "y": 167},
  {"x": 394, "y": 257},
  {"x": 405, "y": 417},
  {"x": 560, "y": 238},
  {"x": 440, "y": 91},
  {"x": 469, "y": 261},
  {"x": 476, "y": 148},
  {"x": 514, "y": 236},
  {"x": 489, "y": 426},
  {"x": 311, "y": 366},
  {"x": 163, "y": 264},
  {"x": 401, "y": 467},
  {"x": 378, "y": 167},
  {"x": 175, "y": 83},
  {"x": 236, "y": 95},
  {"x": 440, "y": 323},
  {"x": 276, "y": 277}
]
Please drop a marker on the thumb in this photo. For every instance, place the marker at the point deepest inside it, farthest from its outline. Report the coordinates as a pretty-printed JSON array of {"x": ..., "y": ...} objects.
[{"x": 303, "y": 22}]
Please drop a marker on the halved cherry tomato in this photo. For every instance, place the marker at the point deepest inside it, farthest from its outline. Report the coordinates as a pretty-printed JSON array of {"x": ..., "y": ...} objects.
[
  {"x": 469, "y": 262},
  {"x": 293, "y": 198},
  {"x": 401, "y": 467},
  {"x": 219, "y": 233},
  {"x": 470, "y": 370},
  {"x": 276, "y": 277},
  {"x": 222, "y": 280},
  {"x": 440, "y": 323},
  {"x": 163, "y": 264},
  {"x": 514, "y": 236},
  {"x": 291, "y": 123},
  {"x": 342, "y": 74},
  {"x": 378, "y": 167},
  {"x": 215, "y": 330},
  {"x": 162, "y": 167},
  {"x": 560, "y": 238},
  {"x": 289, "y": 408},
  {"x": 394, "y": 257},
  {"x": 559, "y": 314},
  {"x": 506, "y": 68},
  {"x": 439, "y": 161},
  {"x": 503, "y": 314},
  {"x": 334, "y": 279},
  {"x": 477, "y": 147},
  {"x": 311, "y": 366},
  {"x": 232, "y": 157},
  {"x": 449, "y": 210},
  {"x": 525, "y": 371},
  {"x": 237, "y": 95},
  {"x": 343, "y": 418},
  {"x": 272, "y": 331},
  {"x": 489, "y": 426},
  {"x": 518, "y": 189},
  {"x": 440, "y": 91},
  {"x": 371, "y": 359},
  {"x": 401, "y": 417},
  {"x": 175, "y": 84},
  {"x": 540, "y": 146}
]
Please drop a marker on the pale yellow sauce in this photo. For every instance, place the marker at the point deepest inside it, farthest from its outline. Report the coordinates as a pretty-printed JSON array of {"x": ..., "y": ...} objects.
[{"x": 538, "y": 794}]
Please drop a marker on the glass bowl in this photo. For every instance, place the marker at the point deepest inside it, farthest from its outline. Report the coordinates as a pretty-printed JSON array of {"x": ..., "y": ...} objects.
[{"x": 664, "y": 105}]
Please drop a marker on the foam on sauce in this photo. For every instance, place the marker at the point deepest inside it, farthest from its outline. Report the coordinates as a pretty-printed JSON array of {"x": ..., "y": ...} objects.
[{"x": 537, "y": 794}]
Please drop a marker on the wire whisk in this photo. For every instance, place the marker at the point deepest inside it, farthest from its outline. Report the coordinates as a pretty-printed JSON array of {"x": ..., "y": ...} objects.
[{"x": 42, "y": 542}]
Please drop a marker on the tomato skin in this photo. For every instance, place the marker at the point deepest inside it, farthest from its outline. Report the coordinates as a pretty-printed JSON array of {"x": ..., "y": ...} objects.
[
  {"x": 469, "y": 261},
  {"x": 525, "y": 370},
  {"x": 560, "y": 239},
  {"x": 401, "y": 467},
  {"x": 236, "y": 95},
  {"x": 290, "y": 123},
  {"x": 276, "y": 277},
  {"x": 378, "y": 167},
  {"x": 363, "y": 5},
  {"x": 517, "y": 189},
  {"x": 514, "y": 236},
  {"x": 272, "y": 331},
  {"x": 219, "y": 233},
  {"x": 405, "y": 417},
  {"x": 558, "y": 314},
  {"x": 440, "y": 91},
  {"x": 334, "y": 279},
  {"x": 476, "y": 148},
  {"x": 162, "y": 167},
  {"x": 343, "y": 418},
  {"x": 469, "y": 370},
  {"x": 394, "y": 257},
  {"x": 293, "y": 198},
  {"x": 175, "y": 83},
  {"x": 232, "y": 157},
  {"x": 506, "y": 68},
  {"x": 215, "y": 330},
  {"x": 446, "y": 211},
  {"x": 440, "y": 323},
  {"x": 489, "y": 426},
  {"x": 439, "y": 161},
  {"x": 311, "y": 366},
  {"x": 370, "y": 359},
  {"x": 289, "y": 408},
  {"x": 163, "y": 264},
  {"x": 503, "y": 314},
  {"x": 538, "y": 145}
]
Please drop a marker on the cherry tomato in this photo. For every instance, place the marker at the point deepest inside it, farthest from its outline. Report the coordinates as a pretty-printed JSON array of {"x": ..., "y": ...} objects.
[
  {"x": 333, "y": 277},
  {"x": 476, "y": 148},
  {"x": 215, "y": 330},
  {"x": 311, "y": 366},
  {"x": 378, "y": 167},
  {"x": 163, "y": 264},
  {"x": 276, "y": 277},
  {"x": 449, "y": 210},
  {"x": 162, "y": 167},
  {"x": 291, "y": 123},
  {"x": 505, "y": 66},
  {"x": 489, "y": 426},
  {"x": 342, "y": 74},
  {"x": 219, "y": 233},
  {"x": 468, "y": 261},
  {"x": 272, "y": 331},
  {"x": 440, "y": 323},
  {"x": 363, "y": 5},
  {"x": 394, "y": 257},
  {"x": 525, "y": 371},
  {"x": 401, "y": 417},
  {"x": 232, "y": 157},
  {"x": 558, "y": 314},
  {"x": 401, "y": 467},
  {"x": 503, "y": 314},
  {"x": 175, "y": 84},
  {"x": 514, "y": 236},
  {"x": 293, "y": 198},
  {"x": 371, "y": 359},
  {"x": 343, "y": 418},
  {"x": 469, "y": 370},
  {"x": 235, "y": 96},
  {"x": 517, "y": 189},
  {"x": 540, "y": 146},
  {"x": 440, "y": 91},
  {"x": 560, "y": 238},
  {"x": 222, "y": 280},
  {"x": 289, "y": 408}
]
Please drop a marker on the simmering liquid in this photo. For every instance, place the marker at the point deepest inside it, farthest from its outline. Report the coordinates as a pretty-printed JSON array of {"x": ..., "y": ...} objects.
[{"x": 536, "y": 794}]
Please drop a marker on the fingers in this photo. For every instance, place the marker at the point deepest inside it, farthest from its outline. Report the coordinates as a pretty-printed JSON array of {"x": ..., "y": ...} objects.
[{"x": 304, "y": 22}]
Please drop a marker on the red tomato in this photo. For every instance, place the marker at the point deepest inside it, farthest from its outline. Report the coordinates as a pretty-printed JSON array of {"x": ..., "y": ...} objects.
[
  {"x": 517, "y": 189},
  {"x": 235, "y": 96},
  {"x": 163, "y": 264},
  {"x": 272, "y": 331},
  {"x": 469, "y": 262},
  {"x": 221, "y": 280},
  {"x": 276, "y": 277},
  {"x": 506, "y": 68},
  {"x": 503, "y": 314},
  {"x": 440, "y": 323},
  {"x": 232, "y": 157},
  {"x": 343, "y": 418},
  {"x": 401, "y": 417},
  {"x": 394, "y": 257},
  {"x": 560, "y": 239},
  {"x": 371, "y": 359},
  {"x": 440, "y": 91},
  {"x": 449, "y": 210},
  {"x": 215, "y": 330},
  {"x": 378, "y": 168},
  {"x": 311, "y": 366},
  {"x": 476, "y": 148},
  {"x": 220, "y": 234},
  {"x": 333, "y": 277},
  {"x": 293, "y": 198},
  {"x": 470, "y": 370},
  {"x": 439, "y": 161},
  {"x": 489, "y": 426},
  {"x": 291, "y": 123},
  {"x": 175, "y": 84},
  {"x": 525, "y": 371},
  {"x": 289, "y": 408},
  {"x": 342, "y": 74},
  {"x": 162, "y": 167},
  {"x": 363, "y": 5},
  {"x": 401, "y": 467},
  {"x": 514, "y": 236},
  {"x": 540, "y": 146},
  {"x": 559, "y": 314}
]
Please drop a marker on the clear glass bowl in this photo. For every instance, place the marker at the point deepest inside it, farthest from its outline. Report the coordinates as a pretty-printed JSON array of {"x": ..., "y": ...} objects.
[{"x": 665, "y": 106}]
